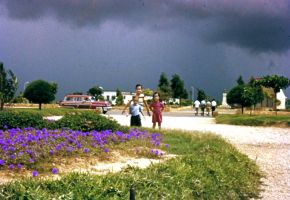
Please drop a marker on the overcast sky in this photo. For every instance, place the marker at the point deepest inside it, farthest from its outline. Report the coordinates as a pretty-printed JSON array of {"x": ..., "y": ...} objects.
[{"x": 118, "y": 43}]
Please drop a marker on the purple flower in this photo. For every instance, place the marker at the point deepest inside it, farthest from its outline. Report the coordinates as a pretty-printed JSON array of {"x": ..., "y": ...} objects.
[
  {"x": 106, "y": 150},
  {"x": 34, "y": 173},
  {"x": 11, "y": 166},
  {"x": 12, "y": 156},
  {"x": 31, "y": 160},
  {"x": 86, "y": 150},
  {"x": 51, "y": 152},
  {"x": 2, "y": 162},
  {"x": 19, "y": 166},
  {"x": 156, "y": 152},
  {"x": 54, "y": 171},
  {"x": 166, "y": 145}
]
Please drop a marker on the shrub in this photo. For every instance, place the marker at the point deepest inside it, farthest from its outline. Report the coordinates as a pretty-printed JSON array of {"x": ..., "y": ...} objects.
[
  {"x": 86, "y": 121},
  {"x": 21, "y": 119}
]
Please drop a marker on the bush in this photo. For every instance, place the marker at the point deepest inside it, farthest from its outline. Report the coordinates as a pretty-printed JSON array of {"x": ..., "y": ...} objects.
[
  {"x": 83, "y": 121},
  {"x": 86, "y": 121},
  {"x": 21, "y": 120}
]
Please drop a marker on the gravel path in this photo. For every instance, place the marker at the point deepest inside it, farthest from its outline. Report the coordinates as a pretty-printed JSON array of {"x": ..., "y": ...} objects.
[{"x": 268, "y": 146}]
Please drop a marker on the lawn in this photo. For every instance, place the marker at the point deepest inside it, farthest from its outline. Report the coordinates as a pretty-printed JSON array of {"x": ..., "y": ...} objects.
[
  {"x": 255, "y": 120},
  {"x": 39, "y": 163}
]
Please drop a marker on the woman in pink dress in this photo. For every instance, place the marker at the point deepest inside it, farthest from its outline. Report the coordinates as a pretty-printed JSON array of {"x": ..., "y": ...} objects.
[{"x": 156, "y": 107}]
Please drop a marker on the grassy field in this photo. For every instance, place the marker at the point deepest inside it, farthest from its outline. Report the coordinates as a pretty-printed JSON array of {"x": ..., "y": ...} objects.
[
  {"x": 206, "y": 167},
  {"x": 254, "y": 120}
]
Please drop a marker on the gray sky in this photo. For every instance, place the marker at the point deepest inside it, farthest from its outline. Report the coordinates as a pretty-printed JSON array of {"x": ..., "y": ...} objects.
[{"x": 116, "y": 44}]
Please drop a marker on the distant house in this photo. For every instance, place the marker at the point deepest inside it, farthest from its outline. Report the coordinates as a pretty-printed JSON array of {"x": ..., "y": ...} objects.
[
  {"x": 111, "y": 96},
  {"x": 268, "y": 101}
]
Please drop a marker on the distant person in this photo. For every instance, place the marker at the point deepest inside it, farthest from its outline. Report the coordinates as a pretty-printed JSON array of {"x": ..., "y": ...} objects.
[
  {"x": 156, "y": 107},
  {"x": 202, "y": 107},
  {"x": 196, "y": 106},
  {"x": 213, "y": 106},
  {"x": 142, "y": 101},
  {"x": 207, "y": 107},
  {"x": 135, "y": 110}
]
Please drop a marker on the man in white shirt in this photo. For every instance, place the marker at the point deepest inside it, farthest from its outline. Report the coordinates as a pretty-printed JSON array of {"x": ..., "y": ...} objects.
[
  {"x": 196, "y": 106},
  {"x": 213, "y": 106}
]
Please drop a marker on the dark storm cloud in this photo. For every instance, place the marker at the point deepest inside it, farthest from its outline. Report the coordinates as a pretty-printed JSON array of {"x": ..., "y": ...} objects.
[{"x": 260, "y": 25}]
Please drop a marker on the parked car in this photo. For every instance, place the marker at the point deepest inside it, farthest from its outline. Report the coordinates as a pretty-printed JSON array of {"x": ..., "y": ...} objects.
[{"x": 84, "y": 101}]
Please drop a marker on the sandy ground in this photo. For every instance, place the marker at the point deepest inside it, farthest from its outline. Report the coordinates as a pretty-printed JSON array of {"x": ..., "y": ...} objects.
[{"x": 268, "y": 146}]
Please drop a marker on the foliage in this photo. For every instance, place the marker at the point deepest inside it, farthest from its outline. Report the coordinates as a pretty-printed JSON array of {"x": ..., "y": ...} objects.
[
  {"x": 254, "y": 120},
  {"x": 164, "y": 88},
  {"x": 201, "y": 95},
  {"x": 240, "y": 81},
  {"x": 274, "y": 81},
  {"x": 20, "y": 99},
  {"x": 120, "y": 98},
  {"x": 206, "y": 168},
  {"x": 177, "y": 88},
  {"x": 147, "y": 92},
  {"x": 8, "y": 85},
  {"x": 40, "y": 92},
  {"x": 86, "y": 121},
  {"x": 288, "y": 104},
  {"x": 96, "y": 92},
  {"x": 21, "y": 119}
]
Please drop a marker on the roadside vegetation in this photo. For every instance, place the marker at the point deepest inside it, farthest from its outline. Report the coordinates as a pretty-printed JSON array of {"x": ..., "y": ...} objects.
[
  {"x": 254, "y": 120},
  {"x": 205, "y": 166}
]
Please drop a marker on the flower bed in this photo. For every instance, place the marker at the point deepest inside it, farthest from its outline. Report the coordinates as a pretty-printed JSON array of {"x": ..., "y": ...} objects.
[{"x": 34, "y": 150}]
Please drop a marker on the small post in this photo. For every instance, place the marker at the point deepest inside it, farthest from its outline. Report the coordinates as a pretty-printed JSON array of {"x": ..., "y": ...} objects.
[{"x": 132, "y": 192}]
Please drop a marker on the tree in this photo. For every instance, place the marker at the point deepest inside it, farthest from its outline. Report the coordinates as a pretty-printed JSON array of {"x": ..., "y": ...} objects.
[
  {"x": 40, "y": 92},
  {"x": 201, "y": 95},
  {"x": 276, "y": 82},
  {"x": 258, "y": 94},
  {"x": 243, "y": 94},
  {"x": 240, "y": 81},
  {"x": 8, "y": 86},
  {"x": 177, "y": 88},
  {"x": 120, "y": 98},
  {"x": 147, "y": 92},
  {"x": 96, "y": 92},
  {"x": 164, "y": 87}
]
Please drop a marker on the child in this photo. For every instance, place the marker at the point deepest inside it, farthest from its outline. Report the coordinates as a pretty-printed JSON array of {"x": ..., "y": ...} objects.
[
  {"x": 135, "y": 110},
  {"x": 156, "y": 107},
  {"x": 141, "y": 100}
]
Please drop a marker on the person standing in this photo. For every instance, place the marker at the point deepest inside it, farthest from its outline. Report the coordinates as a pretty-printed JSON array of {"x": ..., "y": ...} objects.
[
  {"x": 202, "y": 107},
  {"x": 213, "y": 106},
  {"x": 141, "y": 99},
  {"x": 196, "y": 106},
  {"x": 135, "y": 110},
  {"x": 156, "y": 107},
  {"x": 208, "y": 107}
]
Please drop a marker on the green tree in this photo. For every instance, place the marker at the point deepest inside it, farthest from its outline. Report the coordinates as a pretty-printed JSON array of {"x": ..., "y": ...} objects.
[
  {"x": 40, "y": 92},
  {"x": 147, "y": 92},
  {"x": 240, "y": 80},
  {"x": 258, "y": 93},
  {"x": 276, "y": 82},
  {"x": 96, "y": 92},
  {"x": 120, "y": 98},
  {"x": 177, "y": 88},
  {"x": 8, "y": 85},
  {"x": 164, "y": 88},
  {"x": 201, "y": 95}
]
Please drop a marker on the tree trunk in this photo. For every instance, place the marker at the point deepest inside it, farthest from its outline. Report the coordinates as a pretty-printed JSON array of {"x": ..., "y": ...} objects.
[
  {"x": 275, "y": 103},
  {"x": 40, "y": 106},
  {"x": 242, "y": 110},
  {"x": 2, "y": 105}
]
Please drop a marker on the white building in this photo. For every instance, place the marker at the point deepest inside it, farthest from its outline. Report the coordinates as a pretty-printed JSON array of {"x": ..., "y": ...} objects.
[
  {"x": 282, "y": 98},
  {"x": 111, "y": 96}
]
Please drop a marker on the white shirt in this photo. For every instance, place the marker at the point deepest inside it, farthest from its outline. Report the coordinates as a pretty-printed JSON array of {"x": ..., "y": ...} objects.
[
  {"x": 196, "y": 103},
  {"x": 213, "y": 103}
]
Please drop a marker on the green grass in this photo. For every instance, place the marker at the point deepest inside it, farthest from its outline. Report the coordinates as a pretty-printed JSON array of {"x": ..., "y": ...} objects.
[
  {"x": 49, "y": 111},
  {"x": 254, "y": 120},
  {"x": 206, "y": 168}
]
